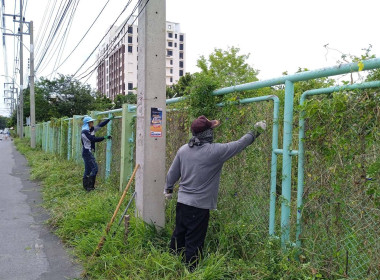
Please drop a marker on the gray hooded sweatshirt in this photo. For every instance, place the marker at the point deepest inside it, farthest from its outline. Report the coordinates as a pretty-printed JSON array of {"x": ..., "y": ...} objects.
[{"x": 200, "y": 168}]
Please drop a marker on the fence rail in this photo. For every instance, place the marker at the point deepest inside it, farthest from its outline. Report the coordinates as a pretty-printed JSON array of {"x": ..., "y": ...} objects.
[{"x": 115, "y": 158}]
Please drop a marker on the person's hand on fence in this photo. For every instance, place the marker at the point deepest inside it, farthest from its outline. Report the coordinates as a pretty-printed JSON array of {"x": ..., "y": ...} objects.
[
  {"x": 168, "y": 195},
  {"x": 108, "y": 137},
  {"x": 260, "y": 126}
]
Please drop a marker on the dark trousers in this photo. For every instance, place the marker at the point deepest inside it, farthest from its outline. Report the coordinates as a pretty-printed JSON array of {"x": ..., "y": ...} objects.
[
  {"x": 190, "y": 232},
  {"x": 90, "y": 165}
]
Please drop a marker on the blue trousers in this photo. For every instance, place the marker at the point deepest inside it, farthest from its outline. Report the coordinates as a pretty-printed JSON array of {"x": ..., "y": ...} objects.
[{"x": 90, "y": 165}]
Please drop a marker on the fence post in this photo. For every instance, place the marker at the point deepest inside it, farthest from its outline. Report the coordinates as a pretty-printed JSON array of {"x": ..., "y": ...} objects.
[
  {"x": 51, "y": 138},
  {"x": 109, "y": 148},
  {"x": 69, "y": 140},
  {"x": 43, "y": 136},
  {"x": 48, "y": 136},
  {"x": 76, "y": 138},
  {"x": 287, "y": 163},
  {"x": 60, "y": 137},
  {"x": 127, "y": 138}
]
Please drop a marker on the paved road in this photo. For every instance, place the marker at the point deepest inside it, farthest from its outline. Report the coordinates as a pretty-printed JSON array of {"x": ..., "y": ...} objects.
[{"x": 28, "y": 250}]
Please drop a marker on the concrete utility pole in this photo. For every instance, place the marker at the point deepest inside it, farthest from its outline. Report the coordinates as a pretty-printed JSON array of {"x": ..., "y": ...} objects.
[
  {"x": 151, "y": 113},
  {"x": 21, "y": 102},
  {"x": 32, "y": 103}
]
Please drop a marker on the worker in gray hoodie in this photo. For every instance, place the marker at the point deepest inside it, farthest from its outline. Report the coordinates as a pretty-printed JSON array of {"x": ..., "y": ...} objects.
[{"x": 199, "y": 165}]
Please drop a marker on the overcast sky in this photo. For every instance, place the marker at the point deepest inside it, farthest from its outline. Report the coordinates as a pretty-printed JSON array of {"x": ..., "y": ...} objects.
[{"x": 279, "y": 35}]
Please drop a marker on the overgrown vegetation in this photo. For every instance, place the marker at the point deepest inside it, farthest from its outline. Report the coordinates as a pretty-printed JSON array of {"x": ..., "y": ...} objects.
[
  {"x": 341, "y": 210},
  {"x": 79, "y": 219}
]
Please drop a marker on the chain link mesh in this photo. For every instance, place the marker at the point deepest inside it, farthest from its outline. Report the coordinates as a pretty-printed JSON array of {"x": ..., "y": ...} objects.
[
  {"x": 341, "y": 213},
  {"x": 243, "y": 200}
]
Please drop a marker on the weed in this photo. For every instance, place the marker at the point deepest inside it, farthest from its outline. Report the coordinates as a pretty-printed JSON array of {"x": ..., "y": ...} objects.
[{"x": 79, "y": 219}]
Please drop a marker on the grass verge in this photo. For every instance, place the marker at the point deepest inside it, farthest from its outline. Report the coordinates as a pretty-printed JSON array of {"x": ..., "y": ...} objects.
[{"x": 79, "y": 219}]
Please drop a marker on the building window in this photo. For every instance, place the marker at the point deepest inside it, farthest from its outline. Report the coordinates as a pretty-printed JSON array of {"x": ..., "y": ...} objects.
[
  {"x": 171, "y": 70},
  {"x": 170, "y": 34},
  {"x": 169, "y": 26},
  {"x": 171, "y": 79},
  {"x": 180, "y": 73},
  {"x": 130, "y": 38},
  {"x": 181, "y": 64},
  {"x": 169, "y": 52},
  {"x": 181, "y": 55},
  {"x": 175, "y": 35},
  {"x": 130, "y": 29},
  {"x": 175, "y": 45},
  {"x": 171, "y": 61},
  {"x": 130, "y": 86},
  {"x": 170, "y": 44},
  {"x": 130, "y": 49},
  {"x": 181, "y": 38},
  {"x": 181, "y": 47}
]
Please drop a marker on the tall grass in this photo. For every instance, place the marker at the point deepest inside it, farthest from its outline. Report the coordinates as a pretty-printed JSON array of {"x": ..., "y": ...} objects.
[{"x": 79, "y": 219}]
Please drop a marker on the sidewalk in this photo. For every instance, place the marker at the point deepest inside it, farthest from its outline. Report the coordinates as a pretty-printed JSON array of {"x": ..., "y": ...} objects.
[{"x": 28, "y": 250}]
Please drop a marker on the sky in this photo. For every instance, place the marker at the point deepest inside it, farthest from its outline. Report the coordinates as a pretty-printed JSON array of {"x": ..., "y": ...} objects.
[{"x": 279, "y": 35}]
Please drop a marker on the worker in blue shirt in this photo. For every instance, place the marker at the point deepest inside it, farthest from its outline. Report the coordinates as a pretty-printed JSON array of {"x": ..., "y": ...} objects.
[{"x": 88, "y": 142}]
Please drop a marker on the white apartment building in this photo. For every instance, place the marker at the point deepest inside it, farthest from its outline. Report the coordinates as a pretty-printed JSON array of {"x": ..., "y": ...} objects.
[{"x": 117, "y": 59}]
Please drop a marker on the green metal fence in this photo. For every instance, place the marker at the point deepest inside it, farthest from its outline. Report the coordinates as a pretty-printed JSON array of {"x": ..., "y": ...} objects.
[{"x": 349, "y": 248}]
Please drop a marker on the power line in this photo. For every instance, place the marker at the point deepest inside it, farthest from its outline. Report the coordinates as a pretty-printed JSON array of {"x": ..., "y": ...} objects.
[
  {"x": 114, "y": 45},
  {"x": 63, "y": 39},
  {"x": 54, "y": 30},
  {"x": 53, "y": 33},
  {"x": 80, "y": 41},
  {"x": 43, "y": 20},
  {"x": 53, "y": 42},
  {"x": 66, "y": 36},
  {"x": 126, "y": 6},
  {"x": 39, "y": 43}
]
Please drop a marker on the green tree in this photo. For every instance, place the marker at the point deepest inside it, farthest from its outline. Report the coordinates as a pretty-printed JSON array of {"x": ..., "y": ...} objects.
[
  {"x": 101, "y": 103},
  {"x": 62, "y": 96},
  {"x": 3, "y": 122},
  {"x": 228, "y": 67},
  {"x": 181, "y": 88},
  {"x": 120, "y": 99}
]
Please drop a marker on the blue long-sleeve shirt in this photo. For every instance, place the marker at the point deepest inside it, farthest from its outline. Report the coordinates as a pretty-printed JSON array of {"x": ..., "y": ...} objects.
[
  {"x": 89, "y": 139},
  {"x": 200, "y": 168}
]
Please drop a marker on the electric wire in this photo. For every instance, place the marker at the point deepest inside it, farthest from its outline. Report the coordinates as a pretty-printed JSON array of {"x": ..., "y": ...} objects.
[
  {"x": 56, "y": 49},
  {"x": 62, "y": 42},
  {"x": 109, "y": 50},
  {"x": 43, "y": 20},
  {"x": 112, "y": 44},
  {"x": 92, "y": 52},
  {"x": 53, "y": 33},
  {"x": 41, "y": 38},
  {"x": 66, "y": 36},
  {"x": 54, "y": 30},
  {"x": 52, "y": 26},
  {"x": 80, "y": 41}
]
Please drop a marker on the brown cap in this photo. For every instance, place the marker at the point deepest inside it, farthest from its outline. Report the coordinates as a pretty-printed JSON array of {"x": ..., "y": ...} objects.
[{"x": 202, "y": 123}]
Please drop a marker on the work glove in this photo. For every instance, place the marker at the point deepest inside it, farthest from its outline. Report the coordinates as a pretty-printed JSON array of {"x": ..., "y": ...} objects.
[
  {"x": 108, "y": 137},
  {"x": 260, "y": 126},
  {"x": 111, "y": 118},
  {"x": 168, "y": 195}
]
